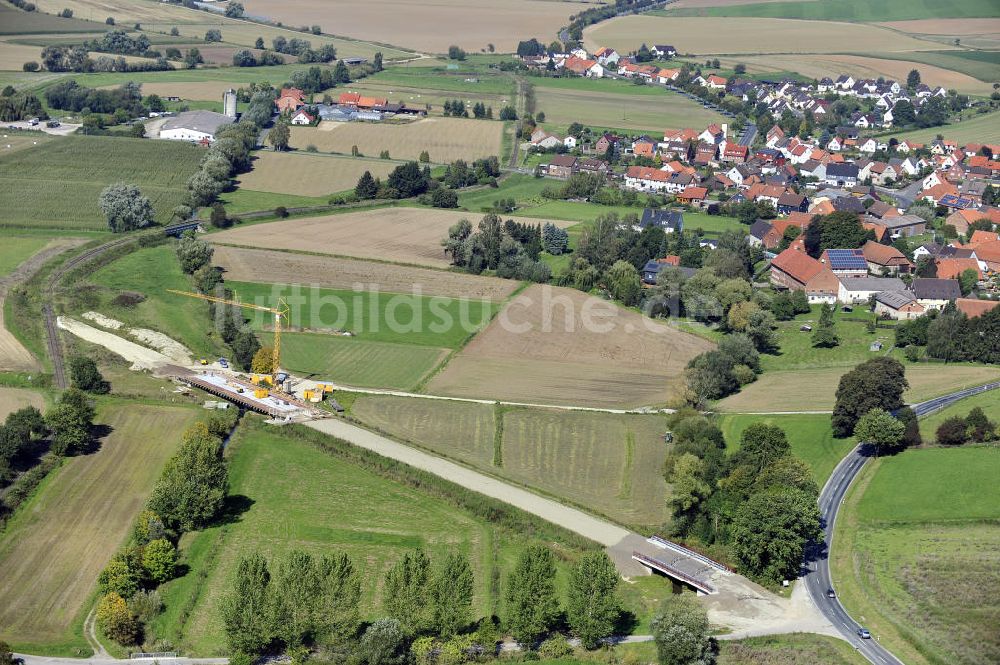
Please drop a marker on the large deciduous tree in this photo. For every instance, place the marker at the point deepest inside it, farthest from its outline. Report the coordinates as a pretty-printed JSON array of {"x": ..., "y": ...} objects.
[
  {"x": 770, "y": 530},
  {"x": 593, "y": 606},
  {"x": 879, "y": 428},
  {"x": 193, "y": 486},
  {"x": 125, "y": 208},
  {"x": 246, "y": 610},
  {"x": 407, "y": 592},
  {"x": 532, "y": 607},
  {"x": 874, "y": 384},
  {"x": 680, "y": 630}
]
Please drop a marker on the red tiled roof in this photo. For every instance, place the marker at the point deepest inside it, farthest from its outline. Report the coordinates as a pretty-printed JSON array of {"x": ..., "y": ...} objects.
[
  {"x": 647, "y": 173},
  {"x": 973, "y": 307},
  {"x": 693, "y": 193},
  {"x": 952, "y": 268},
  {"x": 799, "y": 265}
]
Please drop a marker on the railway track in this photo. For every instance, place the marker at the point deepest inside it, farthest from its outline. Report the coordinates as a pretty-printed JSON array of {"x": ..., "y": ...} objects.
[{"x": 51, "y": 329}]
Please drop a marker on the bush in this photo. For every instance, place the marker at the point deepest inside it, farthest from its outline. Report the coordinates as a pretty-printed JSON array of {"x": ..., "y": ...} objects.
[
  {"x": 281, "y": 212},
  {"x": 554, "y": 647},
  {"x": 952, "y": 432},
  {"x": 115, "y": 619},
  {"x": 128, "y": 299},
  {"x": 85, "y": 376}
]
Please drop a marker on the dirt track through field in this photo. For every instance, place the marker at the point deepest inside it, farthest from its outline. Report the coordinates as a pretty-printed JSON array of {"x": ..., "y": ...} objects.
[{"x": 245, "y": 265}]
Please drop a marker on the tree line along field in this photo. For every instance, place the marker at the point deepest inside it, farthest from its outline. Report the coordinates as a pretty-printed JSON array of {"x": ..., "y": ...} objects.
[
  {"x": 920, "y": 554},
  {"x": 301, "y": 497},
  {"x": 846, "y": 10},
  {"x": 244, "y": 265},
  {"x": 56, "y": 544},
  {"x": 192, "y": 24},
  {"x": 608, "y": 463},
  {"x": 57, "y": 183},
  {"x": 306, "y": 174},
  {"x": 444, "y": 139}
]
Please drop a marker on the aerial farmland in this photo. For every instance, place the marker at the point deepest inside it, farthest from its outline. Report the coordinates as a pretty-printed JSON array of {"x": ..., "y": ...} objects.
[{"x": 437, "y": 334}]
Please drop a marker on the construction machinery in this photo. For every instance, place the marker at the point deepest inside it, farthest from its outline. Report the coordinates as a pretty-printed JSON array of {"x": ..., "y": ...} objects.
[{"x": 278, "y": 312}]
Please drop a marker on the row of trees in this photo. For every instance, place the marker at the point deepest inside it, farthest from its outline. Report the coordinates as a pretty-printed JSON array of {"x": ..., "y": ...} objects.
[
  {"x": 760, "y": 501},
  {"x": 71, "y": 96},
  {"x": 427, "y": 608},
  {"x": 76, "y": 59},
  {"x": 403, "y": 182},
  {"x": 189, "y": 495},
  {"x": 509, "y": 248}
]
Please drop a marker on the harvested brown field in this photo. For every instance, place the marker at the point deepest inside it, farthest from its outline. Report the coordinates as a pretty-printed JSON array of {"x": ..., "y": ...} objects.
[
  {"x": 13, "y": 56},
  {"x": 12, "y": 399},
  {"x": 818, "y": 66},
  {"x": 193, "y": 23},
  {"x": 401, "y": 235},
  {"x": 553, "y": 345},
  {"x": 433, "y": 27},
  {"x": 53, "y": 550},
  {"x": 445, "y": 139},
  {"x": 750, "y": 35},
  {"x": 13, "y": 356},
  {"x": 244, "y": 265},
  {"x": 307, "y": 174},
  {"x": 815, "y": 390}
]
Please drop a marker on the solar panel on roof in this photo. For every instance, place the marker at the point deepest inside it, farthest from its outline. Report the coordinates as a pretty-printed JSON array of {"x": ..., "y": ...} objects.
[{"x": 846, "y": 259}]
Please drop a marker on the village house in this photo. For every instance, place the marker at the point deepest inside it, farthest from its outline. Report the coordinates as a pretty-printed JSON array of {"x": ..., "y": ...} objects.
[
  {"x": 935, "y": 292},
  {"x": 669, "y": 220},
  {"x": 663, "y": 51},
  {"x": 798, "y": 271},
  {"x": 302, "y": 117},
  {"x": 561, "y": 166},
  {"x": 790, "y": 202},
  {"x": 898, "y": 305},
  {"x": 841, "y": 175},
  {"x": 289, "y": 100},
  {"x": 972, "y": 307},
  {"x": 693, "y": 196},
  {"x": 607, "y": 56},
  {"x": 859, "y": 289},
  {"x": 593, "y": 165},
  {"x": 903, "y": 225},
  {"x": 885, "y": 259},
  {"x": 951, "y": 268},
  {"x": 845, "y": 262}
]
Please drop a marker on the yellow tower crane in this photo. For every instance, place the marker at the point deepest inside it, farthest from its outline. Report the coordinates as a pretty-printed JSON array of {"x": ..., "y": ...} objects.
[{"x": 278, "y": 312}]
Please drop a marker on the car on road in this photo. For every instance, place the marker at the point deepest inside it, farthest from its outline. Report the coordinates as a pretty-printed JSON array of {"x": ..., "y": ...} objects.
[
  {"x": 830, "y": 593},
  {"x": 864, "y": 634}
]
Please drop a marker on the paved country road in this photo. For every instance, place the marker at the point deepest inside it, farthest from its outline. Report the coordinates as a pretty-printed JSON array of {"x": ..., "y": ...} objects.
[{"x": 817, "y": 576}]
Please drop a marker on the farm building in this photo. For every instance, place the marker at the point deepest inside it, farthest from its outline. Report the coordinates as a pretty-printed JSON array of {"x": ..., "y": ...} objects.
[{"x": 194, "y": 126}]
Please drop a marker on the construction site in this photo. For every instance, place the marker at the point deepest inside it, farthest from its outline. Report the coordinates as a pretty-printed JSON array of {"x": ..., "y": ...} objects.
[{"x": 276, "y": 394}]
